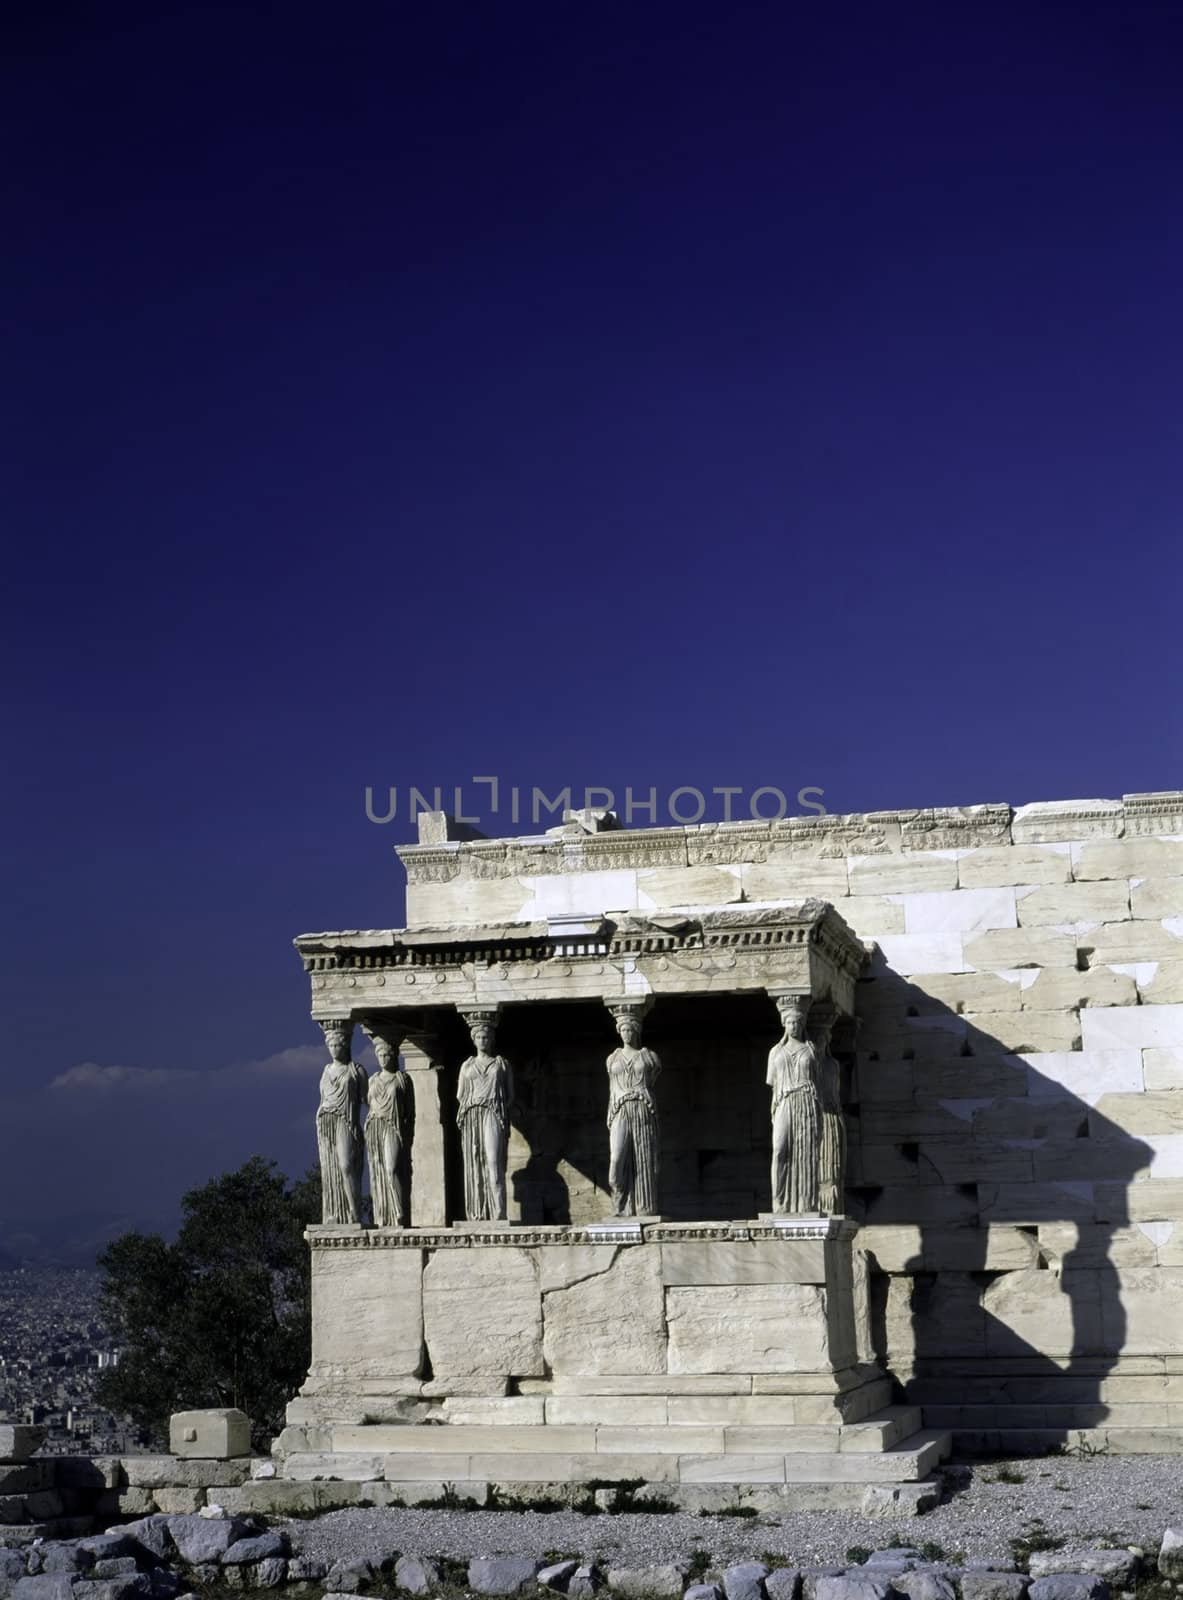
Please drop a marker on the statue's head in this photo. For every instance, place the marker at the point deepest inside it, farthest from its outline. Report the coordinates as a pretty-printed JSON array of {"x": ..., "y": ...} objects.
[
  {"x": 337, "y": 1038},
  {"x": 483, "y": 1036},
  {"x": 385, "y": 1053},
  {"x": 629, "y": 1029},
  {"x": 821, "y": 1036},
  {"x": 792, "y": 1009}
]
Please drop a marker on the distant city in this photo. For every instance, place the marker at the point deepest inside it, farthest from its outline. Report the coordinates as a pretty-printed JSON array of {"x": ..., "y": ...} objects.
[{"x": 53, "y": 1351}]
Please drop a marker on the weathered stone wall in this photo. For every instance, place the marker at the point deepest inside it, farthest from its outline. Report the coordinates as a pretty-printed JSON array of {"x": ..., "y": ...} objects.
[
  {"x": 1016, "y": 1117},
  {"x": 463, "y": 1314}
]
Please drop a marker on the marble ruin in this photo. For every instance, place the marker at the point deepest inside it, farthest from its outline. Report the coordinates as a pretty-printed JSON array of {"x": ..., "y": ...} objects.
[{"x": 753, "y": 1159}]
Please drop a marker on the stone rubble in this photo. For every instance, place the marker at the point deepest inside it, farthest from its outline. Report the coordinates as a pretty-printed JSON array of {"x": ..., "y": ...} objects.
[{"x": 168, "y": 1557}]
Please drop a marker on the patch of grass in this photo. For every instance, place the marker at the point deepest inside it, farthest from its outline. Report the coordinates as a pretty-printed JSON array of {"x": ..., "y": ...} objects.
[
  {"x": 932, "y": 1551},
  {"x": 624, "y": 1497},
  {"x": 1006, "y": 1474},
  {"x": 857, "y": 1554},
  {"x": 540, "y": 1502},
  {"x": 698, "y": 1566},
  {"x": 1143, "y": 1505},
  {"x": 737, "y": 1511},
  {"x": 1084, "y": 1448},
  {"x": 449, "y": 1500},
  {"x": 553, "y": 1557},
  {"x": 772, "y": 1560}
]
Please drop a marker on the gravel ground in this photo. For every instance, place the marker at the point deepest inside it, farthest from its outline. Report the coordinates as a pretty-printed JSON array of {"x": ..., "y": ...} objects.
[{"x": 1120, "y": 1500}]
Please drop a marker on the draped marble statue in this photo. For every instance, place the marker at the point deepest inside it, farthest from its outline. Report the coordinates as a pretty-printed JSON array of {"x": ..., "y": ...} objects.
[
  {"x": 794, "y": 1078},
  {"x": 832, "y": 1151},
  {"x": 389, "y": 1133},
  {"x": 482, "y": 1115},
  {"x": 633, "y": 1134},
  {"x": 338, "y": 1126}
]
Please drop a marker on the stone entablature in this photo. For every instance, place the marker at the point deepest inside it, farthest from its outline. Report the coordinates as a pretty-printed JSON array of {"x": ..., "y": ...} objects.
[
  {"x": 600, "y": 956},
  {"x": 516, "y": 1236}
]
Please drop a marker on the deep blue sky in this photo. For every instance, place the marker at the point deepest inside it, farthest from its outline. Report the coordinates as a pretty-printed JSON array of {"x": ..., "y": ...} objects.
[{"x": 665, "y": 394}]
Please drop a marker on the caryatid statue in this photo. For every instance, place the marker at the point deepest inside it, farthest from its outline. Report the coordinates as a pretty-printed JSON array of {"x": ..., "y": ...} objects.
[
  {"x": 338, "y": 1126},
  {"x": 482, "y": 1115},
  {"x": 794, "y": 1078},
  {"x": 832, "y": 1154},
  {"x": 633, "y": 1136},
  {"x": 389, "y": 1129}
]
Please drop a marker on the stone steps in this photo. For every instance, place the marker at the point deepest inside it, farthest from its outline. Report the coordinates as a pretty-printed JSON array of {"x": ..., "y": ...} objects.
[
  {"x": 459, "y": 1454},
  {"x": 599, "y": 1433},
  {"x": 903, "y": 1463}
]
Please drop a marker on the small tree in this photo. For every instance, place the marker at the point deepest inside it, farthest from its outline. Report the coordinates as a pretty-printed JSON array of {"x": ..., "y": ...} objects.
[{"x": 221, "y": 1317}]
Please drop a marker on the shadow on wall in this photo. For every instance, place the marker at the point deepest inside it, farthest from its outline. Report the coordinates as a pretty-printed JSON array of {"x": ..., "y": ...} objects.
[{"x": 998, "y": 1204}]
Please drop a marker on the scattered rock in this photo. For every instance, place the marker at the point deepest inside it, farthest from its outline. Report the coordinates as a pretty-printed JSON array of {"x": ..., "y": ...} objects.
[
  {"x": 812, "y": 1576},
  {"x": 131, "y": 1587},
  {"x": 349, "y": 1575},
  {"x": 703, "y": 1591},
  {"x": 924, "y": 1584},
  {"x": 114, "y": 1567},
  {"x": 269, "y": 1573},
  {"x": 783, "y": 1583},
  {"x": 12, "y": 1569},
  {"x": 150, "y": 1533},
  {"x": 417, "y": 1575},
  {"x": 745, "y": 1581},
  {"x": 47, "y": 1586},
  {"x": 1170, "y": 1555},
  {"x": 584, "y": 1583},
  {"x": 1069, "y": 1586},
  {"x": 200, "y": 1540},
  {"x": 856, "y": 1585},
  {"x": 1118, "y": 1566},
  {"x": 109, "y": 1547},
  {"x": 304, "y": 1569},
  {"x": 256, "y": 1547},
  {"x": 638, "y": 1583},
  {"x": 56, "y": 1556},
  {"x": 503, "y": 1574},
  {"x": 558, "y": 1576}
]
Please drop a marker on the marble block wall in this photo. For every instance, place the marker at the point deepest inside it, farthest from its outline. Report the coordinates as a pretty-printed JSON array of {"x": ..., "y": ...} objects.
[
  {"x": 691, "y": 1310},
  {"x": 1016, "y": 1126}
]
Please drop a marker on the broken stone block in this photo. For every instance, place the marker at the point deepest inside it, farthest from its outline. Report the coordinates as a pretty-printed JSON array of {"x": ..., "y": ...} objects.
[
  {"x": 641, "y": 1583},
  {"x": 745, "y": 1581},
  {"x": 503, "y": 1574},
  {"x": 417, "y": 1575}
]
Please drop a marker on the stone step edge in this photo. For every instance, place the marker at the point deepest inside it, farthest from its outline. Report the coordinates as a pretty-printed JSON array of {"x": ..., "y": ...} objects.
[
  {"x": 880, "y": 1431},
  {"x": 912, "y": 1461}
]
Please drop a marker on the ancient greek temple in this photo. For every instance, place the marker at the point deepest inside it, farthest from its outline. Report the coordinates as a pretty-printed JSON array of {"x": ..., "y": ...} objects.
[{"x": 726, "y": 1158}]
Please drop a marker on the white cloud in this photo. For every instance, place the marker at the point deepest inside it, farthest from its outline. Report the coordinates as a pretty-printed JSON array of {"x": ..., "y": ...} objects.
[
  {"x": 107, "y": 1080},
  {"x": 297, "y": 1061}
]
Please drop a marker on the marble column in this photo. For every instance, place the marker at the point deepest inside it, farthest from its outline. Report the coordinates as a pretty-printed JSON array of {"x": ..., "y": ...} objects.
[{"x": 429, "y": 1189}]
